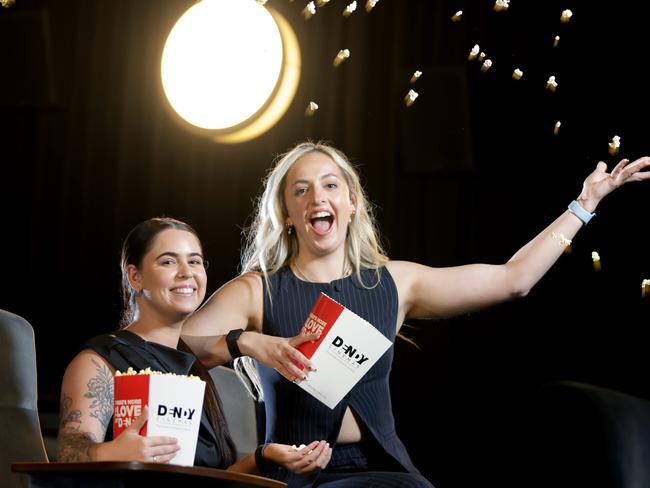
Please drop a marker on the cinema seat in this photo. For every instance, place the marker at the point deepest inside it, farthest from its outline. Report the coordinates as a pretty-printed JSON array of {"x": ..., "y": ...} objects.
[
  {"x": 239, "y": 409},
  {"x": 585, "y": 435},
  {"x": 21, "y": 432}
]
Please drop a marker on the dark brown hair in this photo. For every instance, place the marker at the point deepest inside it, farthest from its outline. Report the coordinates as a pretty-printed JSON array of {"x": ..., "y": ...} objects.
[{"x": 137, "y": 244}]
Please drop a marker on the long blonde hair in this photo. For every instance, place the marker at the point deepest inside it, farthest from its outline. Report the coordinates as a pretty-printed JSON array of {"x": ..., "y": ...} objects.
[{"x": 268, "y": 247}]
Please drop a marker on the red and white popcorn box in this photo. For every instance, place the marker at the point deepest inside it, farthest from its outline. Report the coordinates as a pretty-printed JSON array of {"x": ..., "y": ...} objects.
[
  {"x": 175, "y": 405},
  {"x": 347, "y": 348}
]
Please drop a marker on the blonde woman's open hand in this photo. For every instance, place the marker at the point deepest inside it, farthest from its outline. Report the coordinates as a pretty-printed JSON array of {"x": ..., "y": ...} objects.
[{"x": 600, "y": 183}]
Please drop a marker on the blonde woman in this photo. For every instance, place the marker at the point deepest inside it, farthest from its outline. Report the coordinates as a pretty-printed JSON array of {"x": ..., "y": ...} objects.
[{"x": 314, "y": 232}]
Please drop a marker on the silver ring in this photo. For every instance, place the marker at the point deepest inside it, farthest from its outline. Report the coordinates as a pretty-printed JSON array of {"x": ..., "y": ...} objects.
[{"x": 155, "y": 459}]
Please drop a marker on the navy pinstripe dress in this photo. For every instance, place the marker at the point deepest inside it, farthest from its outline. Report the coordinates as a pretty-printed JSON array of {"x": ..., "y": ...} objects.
[{"x": 295, "y": 417}]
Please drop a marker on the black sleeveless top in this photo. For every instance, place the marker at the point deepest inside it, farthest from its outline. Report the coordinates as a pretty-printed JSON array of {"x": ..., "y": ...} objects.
[
  {"x": 293, "y": 416},
  {"x": 123, "y": 349}
]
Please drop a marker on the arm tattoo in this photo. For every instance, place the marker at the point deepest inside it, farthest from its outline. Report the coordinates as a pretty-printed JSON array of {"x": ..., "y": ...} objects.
[
  {"x": 100, "y": 392},
  {"x": 74, "y": 446},
  {"x": 72, "y": 443},
  {"x": 68, "y": 416}
]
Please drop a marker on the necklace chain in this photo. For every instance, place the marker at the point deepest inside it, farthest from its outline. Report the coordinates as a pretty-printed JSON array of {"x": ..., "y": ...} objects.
[{"x": 344, "y": 272}]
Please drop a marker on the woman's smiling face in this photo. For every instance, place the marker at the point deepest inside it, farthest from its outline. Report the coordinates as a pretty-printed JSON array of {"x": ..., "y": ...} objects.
[
  {"x": 318, "y": 203},
  {"x": 171, "y": 277}
]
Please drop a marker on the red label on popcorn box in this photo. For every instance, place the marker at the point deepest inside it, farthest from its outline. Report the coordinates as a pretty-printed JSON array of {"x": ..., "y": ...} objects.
[
  {"x": 347, "y": 348},
  {"x": 175, "y": 405}
]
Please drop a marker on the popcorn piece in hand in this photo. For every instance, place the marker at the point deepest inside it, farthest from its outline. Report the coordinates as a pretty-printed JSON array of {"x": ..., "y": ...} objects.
[
  {"x": 347, "y": 11},
  {"x": 614, "y": 145},
  {"x": 416, "y": 76},
  {"x": 370, "y": 4},
  {"x": 551, "y": 84},
  {"x": 295, "y": 448},
  {"x": 596, "y": 259},
  {"x": 517, "y": 74},
  {"x": 473, "y": 54},
  {"x": 309, "y": 11},
  {"x": 341, "y": 56},
  {"x": 410, "y": 97},
  {"x": 556, "y": 41},
  {"x": 566, "y": 16},
  {"x": 645, "y": 288},
  {"x": 556, "y": 129},
  {"x": 457, "y": 16},
  {"x": 487, "y": 64},
  {"x": 501, "y": 5},
  {"x": 311, "y": 109}
]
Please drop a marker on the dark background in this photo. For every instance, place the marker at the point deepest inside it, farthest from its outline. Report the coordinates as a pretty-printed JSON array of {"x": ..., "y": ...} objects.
[{"x": 469, "y": 173}]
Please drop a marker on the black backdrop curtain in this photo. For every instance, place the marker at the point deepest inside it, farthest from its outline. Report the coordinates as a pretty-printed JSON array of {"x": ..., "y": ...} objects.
[{"x": 469, "y": 173}]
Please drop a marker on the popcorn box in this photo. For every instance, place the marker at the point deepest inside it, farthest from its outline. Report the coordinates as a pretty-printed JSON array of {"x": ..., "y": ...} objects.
[
  {"x": 347, "y": 348},
  {"x": 175, "y": 405}
]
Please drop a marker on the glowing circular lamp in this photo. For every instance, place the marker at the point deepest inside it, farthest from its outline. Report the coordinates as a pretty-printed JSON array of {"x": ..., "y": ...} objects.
[{"x": 231, "y": 68}]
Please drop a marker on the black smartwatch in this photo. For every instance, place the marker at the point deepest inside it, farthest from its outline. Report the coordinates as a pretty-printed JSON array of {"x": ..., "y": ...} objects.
[{"x": 231, "y": 342}]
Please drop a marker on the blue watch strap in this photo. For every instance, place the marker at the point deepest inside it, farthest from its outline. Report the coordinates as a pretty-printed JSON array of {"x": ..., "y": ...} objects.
[{"x": 576, "y": 209}]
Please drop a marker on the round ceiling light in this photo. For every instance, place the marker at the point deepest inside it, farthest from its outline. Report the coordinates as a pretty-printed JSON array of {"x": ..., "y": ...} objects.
[{"x": 231, "y": 68}]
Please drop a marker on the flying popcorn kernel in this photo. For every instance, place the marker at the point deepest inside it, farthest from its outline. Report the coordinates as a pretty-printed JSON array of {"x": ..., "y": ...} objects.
[
  {"x": 457, "y": 16},
  {"x": 341, "y": 56},
  {"x": 614, "y": 146},
  {"x": 311, "y": 109},
  {"x": 551, "y": 84},
  {"x": 410, "y": 97},
  {"x": 556, "y": 41},
  {"x": 473, "y": 54},
  {"x": 501, "y": 5},
  {"x": 416, "y": 76},
  {"x": 370, "y": 4},
  {"x": 517, "y": 74},
  {"x": 309, "y": 11},
  {"x": 347, "y": 11},
  {"x": 566, "y": 16},
  {"x": 487, "y": 64},
  {"x": 596, "y": 259},
  {"x": 556, "y": 129}
]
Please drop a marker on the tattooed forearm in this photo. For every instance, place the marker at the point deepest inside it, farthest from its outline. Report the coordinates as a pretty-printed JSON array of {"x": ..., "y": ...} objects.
[
  {"x": 68, "y": 416},
  {"x": 74, "y": 446},
  {"x": 100, "y": 392}
]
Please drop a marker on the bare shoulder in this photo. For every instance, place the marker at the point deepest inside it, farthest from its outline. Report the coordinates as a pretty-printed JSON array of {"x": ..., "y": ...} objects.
[
  {"x": 87, "y": 363},
  {"x": 251, "y": 282},
  {"x": 87, "y": 394},
  {"x": 245, "y": 286},
  {"x": 236, "y": 304}
]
